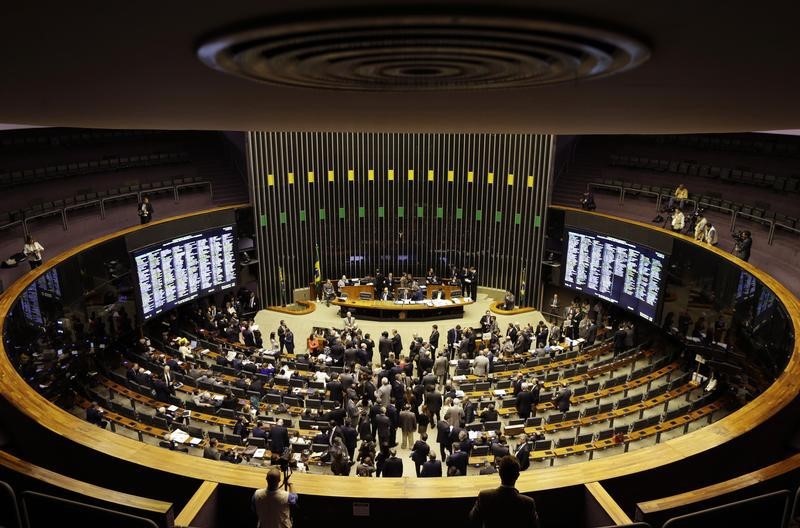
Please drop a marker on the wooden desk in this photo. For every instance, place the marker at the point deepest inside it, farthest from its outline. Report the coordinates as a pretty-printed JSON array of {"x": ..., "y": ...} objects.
[
  {"x": 382, "y": 310},
  {"x": 354, "y": 292}
]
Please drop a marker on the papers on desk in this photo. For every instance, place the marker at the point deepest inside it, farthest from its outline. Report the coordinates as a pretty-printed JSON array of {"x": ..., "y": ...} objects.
[
  {"x": 230, "y": 355},
  {"x": 195, "y": 441},
  {"x": 172, "y": 408},
  {"x": 179, "y": 436},
  {"x": 499, "y": 392},
  {"x": 459, "y": 393},
  {"x": 204, "y": 352},
  {"x": 259, "y": 453},
  {"x": 460, "y": 378},
  {"x": 218, "y": 397}
]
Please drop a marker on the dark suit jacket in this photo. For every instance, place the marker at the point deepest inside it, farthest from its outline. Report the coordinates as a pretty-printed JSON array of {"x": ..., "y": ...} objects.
[
  {"x": 504, "y": 507},
  {"x": 433, "y": 400},
  {"x": 458, "y": 459},
  {"x": 524, "y": 402},
  {"x": 384, "y": 347},
  {"x": 397, "y": 344},
  {"x": 523, "y": 454},
  {"x": 393, "y": 467},
  {"x": 434, "y": 339},
  {"x": 279, "y": 436},
  {"x": 443, "y": 433},
  {"x": 419, "y": 453},
  {"x": 431, "y": 468}
]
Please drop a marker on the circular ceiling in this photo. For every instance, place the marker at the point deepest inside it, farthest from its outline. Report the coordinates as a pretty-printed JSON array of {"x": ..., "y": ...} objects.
[{"x": 421, "y": 53}]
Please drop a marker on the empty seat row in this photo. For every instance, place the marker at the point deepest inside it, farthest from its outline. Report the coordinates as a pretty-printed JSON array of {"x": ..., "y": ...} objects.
[
  {"x": 780, "y": 183},
  {"x": 50, "y": 172}
]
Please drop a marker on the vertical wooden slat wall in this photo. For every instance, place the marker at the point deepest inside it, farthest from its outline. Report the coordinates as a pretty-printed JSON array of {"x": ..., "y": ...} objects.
[{"x": 399, "y": 202}]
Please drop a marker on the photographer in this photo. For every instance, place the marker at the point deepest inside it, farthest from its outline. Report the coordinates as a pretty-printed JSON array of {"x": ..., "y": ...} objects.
[
  {"x": 743, "y": 244},
  {"x": 272, "y": 504},
  {"x": 678, "y": 221}
]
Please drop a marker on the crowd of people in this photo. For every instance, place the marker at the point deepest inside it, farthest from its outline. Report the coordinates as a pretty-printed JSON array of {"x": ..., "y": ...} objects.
[{"x": 385, "y": 395}]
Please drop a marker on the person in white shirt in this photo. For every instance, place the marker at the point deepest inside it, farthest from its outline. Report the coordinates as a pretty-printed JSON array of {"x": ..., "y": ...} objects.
[
  {"x": 33, "y": 250},
  {"x": 678, "y": 221},
  {"x": 342, "y": 282},
  {"x": 711, "y": 235},
  {"x": 321, "y": 376},
  {"x": 184, "y": 349},
  {"x": 700, "y": 228}
]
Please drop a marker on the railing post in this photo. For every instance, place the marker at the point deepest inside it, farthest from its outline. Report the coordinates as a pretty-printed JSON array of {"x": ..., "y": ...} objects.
[{"x": 771, "y": 233}]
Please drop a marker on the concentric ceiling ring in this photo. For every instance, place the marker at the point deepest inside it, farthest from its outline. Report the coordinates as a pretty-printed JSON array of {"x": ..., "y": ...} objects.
[{"x": 422, "y": 53}]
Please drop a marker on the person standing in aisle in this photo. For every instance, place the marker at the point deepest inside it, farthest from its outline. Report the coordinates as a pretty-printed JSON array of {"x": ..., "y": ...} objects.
[
  {"x": 145, "y": 211},
  {"x": 33, "y": 250}
]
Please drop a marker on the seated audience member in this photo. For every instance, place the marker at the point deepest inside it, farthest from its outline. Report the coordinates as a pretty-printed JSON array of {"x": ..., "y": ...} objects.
[
  {"x": 94, "y": 415},
  {"x": 328, "y": 292},
  {"x": 210, "y": 451},
  {"x": 680, "y": 195},
  {"x": 505, "y": 506}
]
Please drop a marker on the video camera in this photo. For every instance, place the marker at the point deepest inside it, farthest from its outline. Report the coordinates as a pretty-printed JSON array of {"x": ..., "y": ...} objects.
[{"x": 739, "y": 236}]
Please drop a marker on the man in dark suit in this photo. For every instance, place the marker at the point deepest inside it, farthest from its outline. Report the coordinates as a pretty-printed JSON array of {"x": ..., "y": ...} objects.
[
  {"x": 433, "y": 400},
  {"x": 443, "y": 437},
  {"x": 279, "y": 436},
  {"x": 431, "y": 468},
  {"x": 94, "y": 415},
  {"x": 397, "y": 344},
  {"x": 334, "y": 388},
  {"x": 458, "y": 460},
  {"x": 523, "y": 453},
  {"x": 562, "y": 399},
  {"x": 524, "y": 402},
  {"x": 420, "y": 451},
  {"x": 453, "y": 338},
  {"x": 350, "y": 437},
  {"x": 393, "y": 466},
  {"x": 505, "y": 506},
  {"x": 384, "y": 346},
  {"x": 259, "y": 431},
  {"x": 434, "y": 338}
]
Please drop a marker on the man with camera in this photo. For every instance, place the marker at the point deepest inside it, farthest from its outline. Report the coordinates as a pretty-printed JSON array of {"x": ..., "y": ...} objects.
[
  {"x": 272, "y": 504},
  {"x": 743, "y": 244}
]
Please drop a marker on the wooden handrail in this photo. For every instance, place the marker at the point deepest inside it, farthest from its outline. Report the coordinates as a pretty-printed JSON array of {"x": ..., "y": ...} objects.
[
  {"x": 51, "y": 478},
  {"x": 32, "y": 404},
  {"x": 688, "y": 498}
]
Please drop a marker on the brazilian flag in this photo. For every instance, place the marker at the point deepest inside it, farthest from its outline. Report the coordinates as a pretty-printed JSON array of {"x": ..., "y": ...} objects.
[{"x": 317, "y": 270}]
